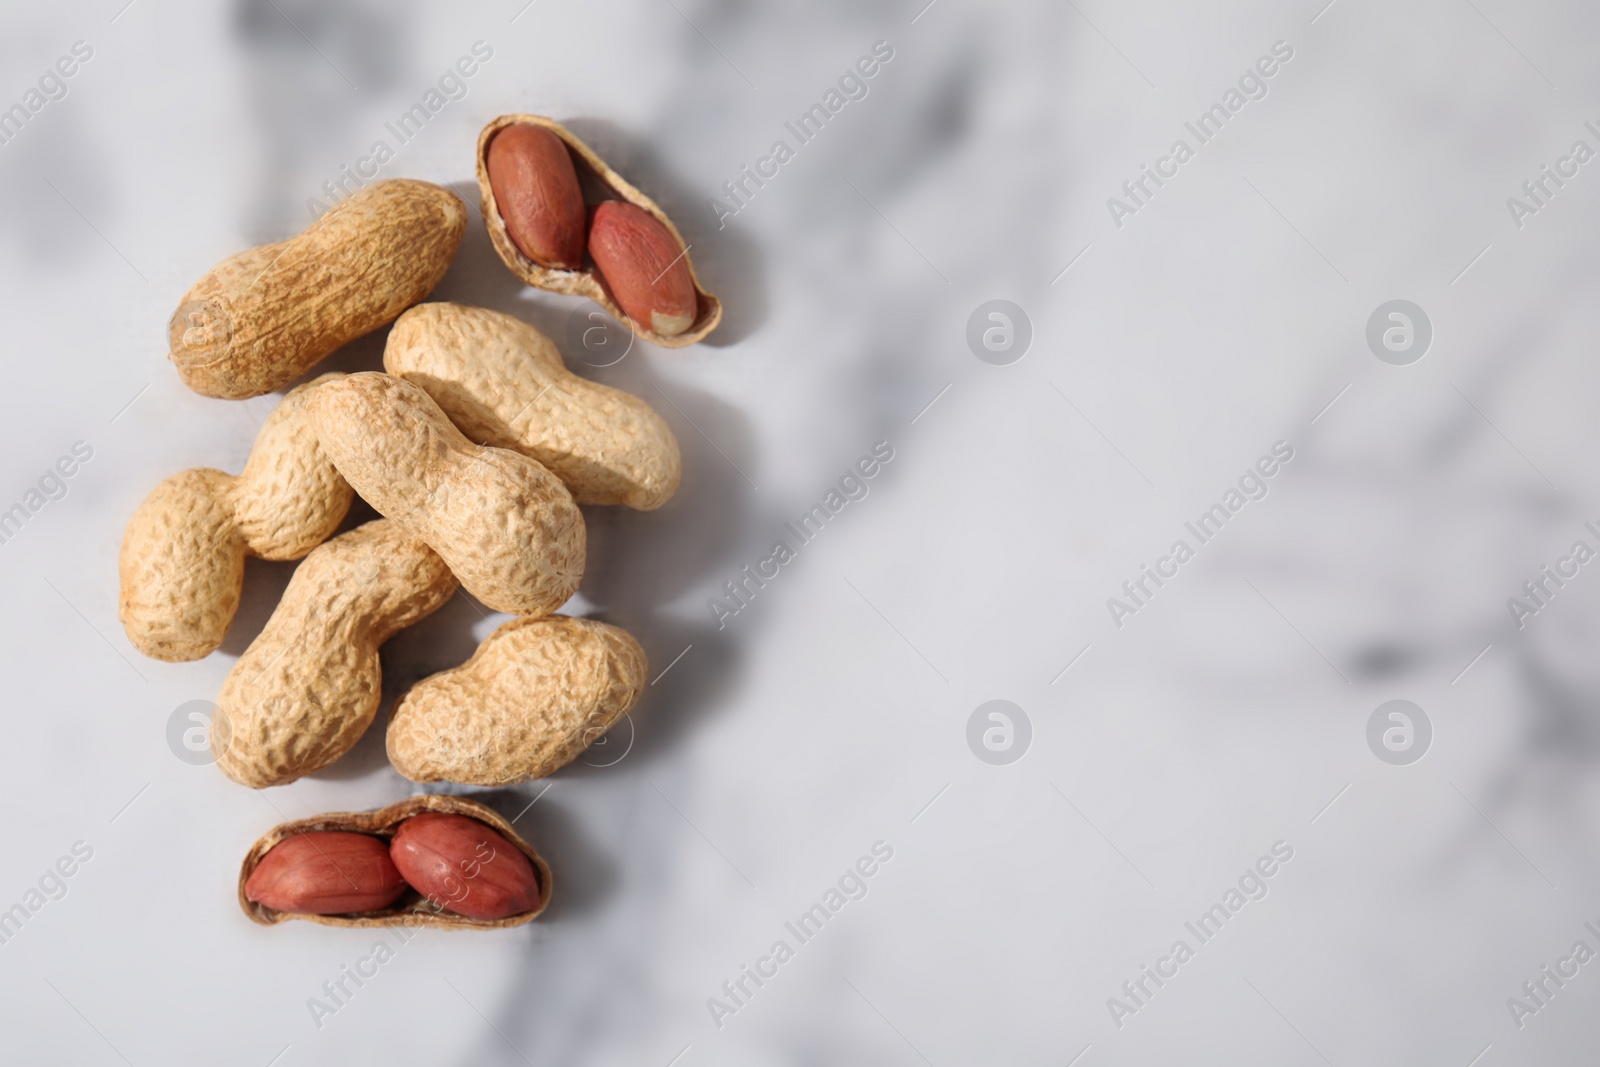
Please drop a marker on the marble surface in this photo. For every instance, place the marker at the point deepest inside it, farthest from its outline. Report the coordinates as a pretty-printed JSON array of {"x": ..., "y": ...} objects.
[{"x": 1192, "y": 747}]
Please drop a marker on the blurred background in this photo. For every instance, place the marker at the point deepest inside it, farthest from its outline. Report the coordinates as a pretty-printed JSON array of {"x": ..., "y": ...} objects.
[{"x": 1431, "y": 874}]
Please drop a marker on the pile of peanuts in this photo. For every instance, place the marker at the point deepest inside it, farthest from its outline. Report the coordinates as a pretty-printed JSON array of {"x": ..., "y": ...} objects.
[{"x": 476, "y": 446}]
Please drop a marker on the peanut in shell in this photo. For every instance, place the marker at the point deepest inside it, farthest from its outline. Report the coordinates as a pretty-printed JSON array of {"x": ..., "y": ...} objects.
[
  {"x": 588, "y": 281},
  {"x": 503, "y": 523},
  {"x": 533, "y": 696},
  {"x": 411, "y": 909},
  {"x": 309, "y": 685},
  {"x": 181, "y": 564},
  {"x": 261, "y": 318},
  {"x": 503, "y": 383}
]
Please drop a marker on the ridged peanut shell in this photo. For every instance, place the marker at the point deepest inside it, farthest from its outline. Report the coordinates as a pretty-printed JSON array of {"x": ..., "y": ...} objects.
[
  {"x": 181, "y": 567},
  {"x": 265, "y": 316},
  {"x": 533, "y": 696},
  {"x": 411, "y": 909},
  {"x": 503, "y": 383},
  {"x": 586, "y": 282},
  {"x": 504, "y": 524},
  {"x": 289, "y": 498},
  {"x": 310, "y": 683}
]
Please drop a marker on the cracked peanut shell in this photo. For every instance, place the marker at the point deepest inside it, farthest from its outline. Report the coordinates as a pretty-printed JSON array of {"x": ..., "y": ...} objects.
[
  {"x": 411, "y": 909},
  {"x": 587, "y": 281}
]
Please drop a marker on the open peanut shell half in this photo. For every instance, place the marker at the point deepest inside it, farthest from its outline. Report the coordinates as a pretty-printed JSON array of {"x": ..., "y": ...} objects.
[
  {"x": 411, "y": 909},
  {"x": 599, "y": 182}
]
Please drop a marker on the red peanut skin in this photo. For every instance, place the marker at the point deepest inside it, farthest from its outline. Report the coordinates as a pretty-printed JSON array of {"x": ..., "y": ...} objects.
[
  {"x": 326, "y": 872},
  {"x": 643, "y": 266},
  {"x": 462, "y": 865},
  {"x": 536, "y": 189}
]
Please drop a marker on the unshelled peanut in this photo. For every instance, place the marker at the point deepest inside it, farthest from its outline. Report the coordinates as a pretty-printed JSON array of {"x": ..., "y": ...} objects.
[
  {"x": 504, "y": 524},
  {"x": 533, "y": 696},
  {"x": 262, "y": 318},
  {"x": 503, "y": 383},
  {"x": 182, "y": 559},
  {"x": 308, "y": 686}
]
